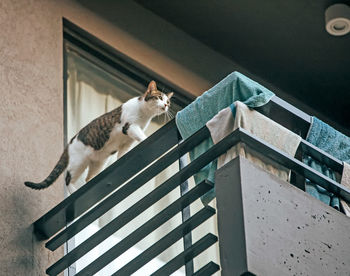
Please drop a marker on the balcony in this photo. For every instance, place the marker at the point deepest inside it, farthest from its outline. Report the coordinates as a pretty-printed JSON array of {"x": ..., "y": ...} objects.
[{"x": 266, "y": 226}]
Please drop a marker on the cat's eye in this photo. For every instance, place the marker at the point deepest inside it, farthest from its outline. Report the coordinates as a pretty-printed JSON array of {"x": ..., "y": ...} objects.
[{"x": 160, "y": 98}]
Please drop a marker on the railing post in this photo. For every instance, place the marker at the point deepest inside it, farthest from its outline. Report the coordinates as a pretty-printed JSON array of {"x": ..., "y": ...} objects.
[{"x": 186, "y": 213}]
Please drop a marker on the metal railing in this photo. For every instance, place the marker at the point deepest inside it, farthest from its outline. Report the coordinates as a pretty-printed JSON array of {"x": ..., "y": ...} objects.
[{"x": 164, "y": 145}]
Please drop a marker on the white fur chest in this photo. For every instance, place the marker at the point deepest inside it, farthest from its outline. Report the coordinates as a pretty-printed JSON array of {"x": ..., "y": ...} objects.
[{"x": 133, "y": 113}]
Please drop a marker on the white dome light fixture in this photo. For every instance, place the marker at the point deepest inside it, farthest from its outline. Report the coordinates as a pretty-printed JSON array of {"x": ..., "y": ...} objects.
[{"x": 338, "y": 19}]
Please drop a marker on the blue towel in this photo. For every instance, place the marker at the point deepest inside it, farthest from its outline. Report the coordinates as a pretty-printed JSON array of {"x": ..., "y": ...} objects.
[
  {"x": 333, "y": 142},
  {"x": 235, "y": 87}
]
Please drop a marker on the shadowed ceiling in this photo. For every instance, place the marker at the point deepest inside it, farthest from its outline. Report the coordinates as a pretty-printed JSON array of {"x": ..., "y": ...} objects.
[{"x": 282, "y": 42}]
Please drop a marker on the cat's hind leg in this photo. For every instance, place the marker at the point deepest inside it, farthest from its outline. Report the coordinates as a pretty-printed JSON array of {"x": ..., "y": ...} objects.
[
  {"x": 74, "y": 171},
  {"x": 94, "y": 168},
  {"x": 78, "y": 162}
]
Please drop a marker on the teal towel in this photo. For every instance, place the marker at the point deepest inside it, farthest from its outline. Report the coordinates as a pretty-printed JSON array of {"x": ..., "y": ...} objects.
[
  {"x": 317, "y": 191},
  {"x": 235, "y": 87},
  {"x": 333, "y": 142}
]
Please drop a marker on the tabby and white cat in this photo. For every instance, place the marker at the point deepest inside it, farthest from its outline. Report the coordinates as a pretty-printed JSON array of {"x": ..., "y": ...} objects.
[{"x": 113, "y": 132}]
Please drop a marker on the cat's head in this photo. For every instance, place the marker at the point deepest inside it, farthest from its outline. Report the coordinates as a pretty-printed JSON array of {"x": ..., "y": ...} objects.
[{"x": 156, "y": 100}]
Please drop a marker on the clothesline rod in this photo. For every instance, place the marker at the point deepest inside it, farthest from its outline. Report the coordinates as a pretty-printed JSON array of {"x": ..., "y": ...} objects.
[
  {"x": 292, "y": 109},
  {"x": 322, "y": 156}
]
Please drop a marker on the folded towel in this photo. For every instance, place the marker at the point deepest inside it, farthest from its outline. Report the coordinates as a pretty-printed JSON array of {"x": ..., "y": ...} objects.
[
  {"x": 259, "y": 125},
  {"x": 333, "y": 142},
  {"x": 232, "y": 88},
  {"x": 345, "y": 180}
]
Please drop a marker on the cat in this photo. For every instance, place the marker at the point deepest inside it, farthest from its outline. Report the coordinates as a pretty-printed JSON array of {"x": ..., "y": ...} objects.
[{"x": 113, "y": 132}]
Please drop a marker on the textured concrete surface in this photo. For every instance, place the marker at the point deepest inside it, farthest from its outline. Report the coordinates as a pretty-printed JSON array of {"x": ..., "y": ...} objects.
[{"x": 274, "y": 228}]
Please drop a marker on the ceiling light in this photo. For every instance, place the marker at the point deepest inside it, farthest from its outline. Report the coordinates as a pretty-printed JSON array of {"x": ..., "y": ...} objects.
[{"x": 338, "y": 19}]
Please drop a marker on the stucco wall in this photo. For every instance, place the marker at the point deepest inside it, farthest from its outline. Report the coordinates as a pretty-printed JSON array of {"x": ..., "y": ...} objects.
[
  {"x": 31, "y": 129},
  {"x": 31, "y": 107}
]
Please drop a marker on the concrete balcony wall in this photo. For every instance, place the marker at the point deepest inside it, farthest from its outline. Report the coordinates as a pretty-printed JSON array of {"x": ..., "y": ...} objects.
[{"x": 269, "y": 227}]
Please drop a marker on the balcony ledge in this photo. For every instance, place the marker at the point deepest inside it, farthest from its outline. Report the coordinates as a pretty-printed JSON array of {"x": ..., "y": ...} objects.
[{"x": 269, "y": 227}]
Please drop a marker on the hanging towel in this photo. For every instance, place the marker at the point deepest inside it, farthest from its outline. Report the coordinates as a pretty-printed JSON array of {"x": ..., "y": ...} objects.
[
  {"x": 259, "y": 125},
  {"x": 345, "y": 180},
  {"x": 232, "y": 88},
  {"x": 333, "y": 142},
  {"x": 317, "y": 191}
]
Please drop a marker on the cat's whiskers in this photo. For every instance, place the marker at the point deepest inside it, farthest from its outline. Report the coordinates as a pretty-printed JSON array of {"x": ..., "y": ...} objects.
[
  {"x": 162, "y": 114},
  {"x": 169, "y": 115}
]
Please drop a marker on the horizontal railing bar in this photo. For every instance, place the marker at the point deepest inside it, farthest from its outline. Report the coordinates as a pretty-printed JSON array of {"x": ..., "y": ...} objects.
[
  {"x": 146, "y": 229},
  {"x": 291, "y": 163},
  {"x": 322, "y": 156},
  {"x": 127, "y": 189},
  {"x": 187, "y": 255},
  {"x": 107, "y": 181},
  {"x": 207, "y": 270},
  {"x": 119, "y": 222},
  {"x": 166, "y": 242}
]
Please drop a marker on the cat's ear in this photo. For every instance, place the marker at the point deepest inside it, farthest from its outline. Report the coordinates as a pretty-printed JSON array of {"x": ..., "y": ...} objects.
[
  {"x": 152, "y": 86},
  {"x": 169, "y": 95}
]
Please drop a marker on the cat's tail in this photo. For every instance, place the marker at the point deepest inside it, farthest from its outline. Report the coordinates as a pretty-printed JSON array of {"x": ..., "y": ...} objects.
[{"x": 57, "y": 170}]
